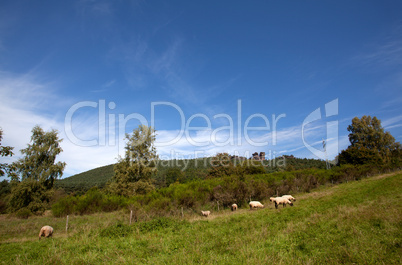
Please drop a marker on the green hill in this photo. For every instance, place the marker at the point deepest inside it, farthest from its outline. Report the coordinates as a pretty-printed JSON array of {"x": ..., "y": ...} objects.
[
  {"x": 185, "y": 170},
  {"x": 85, "y": 180}
]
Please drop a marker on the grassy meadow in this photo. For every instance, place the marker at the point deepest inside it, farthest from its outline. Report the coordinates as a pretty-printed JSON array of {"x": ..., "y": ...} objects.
[{"x": 359, "y": 222}]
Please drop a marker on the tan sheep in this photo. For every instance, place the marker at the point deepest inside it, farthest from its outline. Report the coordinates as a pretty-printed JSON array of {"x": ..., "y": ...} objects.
[
  {"x": 234, "y": 207},
  {"x": 255, "y": 204},
  {"x": 289, "y": 197},
  {"x": 46, "y": 231},
  {"x": 280, "y": 200},
  {"x": 205, "y": 213}
]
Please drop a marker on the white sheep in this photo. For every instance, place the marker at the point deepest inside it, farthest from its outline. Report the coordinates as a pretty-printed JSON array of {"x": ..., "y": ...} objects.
[
  {"x": 205, "y": 213},
  {"x": 255, "y": 204},
  {"x": 46, "y": 231},
  {"x": 289, "y": 197},
  {"x": 234, "y": 207},
  {"x": 280, "y": 200}
]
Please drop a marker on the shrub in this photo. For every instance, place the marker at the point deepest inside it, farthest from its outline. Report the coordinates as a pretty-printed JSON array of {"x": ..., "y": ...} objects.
[
  {"x": 64, "y": 206},
  {"x": 23, "y": 213}
]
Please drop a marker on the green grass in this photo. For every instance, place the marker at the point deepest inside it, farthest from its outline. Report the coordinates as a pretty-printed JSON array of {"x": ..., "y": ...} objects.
[{"x": 352, "y": 223}]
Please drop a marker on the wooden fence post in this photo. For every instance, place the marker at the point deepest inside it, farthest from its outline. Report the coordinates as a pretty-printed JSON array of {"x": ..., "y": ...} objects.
[
  {"x": 67, "y": 225},
  {"x": 131, "y": 216}
]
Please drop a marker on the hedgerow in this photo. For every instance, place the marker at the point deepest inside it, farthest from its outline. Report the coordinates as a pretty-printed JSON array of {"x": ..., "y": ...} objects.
[{"x": 210, "y": 193}]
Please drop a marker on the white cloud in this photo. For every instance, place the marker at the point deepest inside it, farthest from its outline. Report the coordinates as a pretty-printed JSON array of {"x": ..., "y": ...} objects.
[
  {"x": 35, "y": 104},
  {"x": 391, "y": 122},
  {"x": 26, "y": 103}
]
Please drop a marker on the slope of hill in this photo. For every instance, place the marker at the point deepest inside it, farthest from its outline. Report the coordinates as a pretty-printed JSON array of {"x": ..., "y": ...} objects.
[
  {"x": 85, "y": 180},
  {"x": 352, "y": 223},
  {"x": 183, "y": 171}
]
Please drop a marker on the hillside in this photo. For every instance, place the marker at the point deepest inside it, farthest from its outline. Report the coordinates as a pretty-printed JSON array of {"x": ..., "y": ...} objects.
[
  {"x": 85, "y": 180},
  {"x": 358, "y": 222},
  {"x": 185, "y": 170}
]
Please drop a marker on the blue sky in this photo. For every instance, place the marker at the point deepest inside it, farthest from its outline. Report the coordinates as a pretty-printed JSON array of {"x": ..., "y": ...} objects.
[{"x": 247, "y": 74}]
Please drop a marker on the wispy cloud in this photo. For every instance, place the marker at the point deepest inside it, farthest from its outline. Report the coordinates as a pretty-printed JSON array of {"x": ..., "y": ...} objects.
[
  {"x": 286, "y": 140},
  {"x": 388, "y": 52},
  {"x": 392, "y": 122}
]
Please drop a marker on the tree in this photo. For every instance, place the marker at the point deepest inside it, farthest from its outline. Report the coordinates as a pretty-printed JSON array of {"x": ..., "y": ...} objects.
[
  {"x": 33, "y": 175},
  {"x": 174, "y": 174},
  {"x": 4, "y": 151},
  {"x": 133, "y": 173},
  {"x": 222, "y": 165},
  {"x": 369, "y": 143}
]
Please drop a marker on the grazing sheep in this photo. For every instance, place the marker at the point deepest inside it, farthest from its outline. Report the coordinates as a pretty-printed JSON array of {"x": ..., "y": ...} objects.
[
  {"x": 280, "y": 200},
  {"x": 205, "y": 213},
  {"x": 234, "y": 207},
  {"x": 46, "y": 231},
  {"x": 289, "y": 197},
  {"x": 255, "y": 204}
]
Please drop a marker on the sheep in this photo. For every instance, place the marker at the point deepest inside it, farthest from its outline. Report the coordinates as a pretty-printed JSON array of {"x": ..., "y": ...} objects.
[
  {"x": 280, "y": 200},
  {"x": 289, "y": 197},
  {"x": 255, "y": 204},
  {"x": 205, "y": 213},
  {"x": 234, "y": 207},
  {"x": 46, "y": 231}
]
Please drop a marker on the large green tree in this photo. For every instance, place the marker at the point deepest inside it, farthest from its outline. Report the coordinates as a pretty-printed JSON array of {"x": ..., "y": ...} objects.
[
  {"x": 4, "y": 151},
  {"x": 34, "y": 174},
  {"x": 133, "y": 173},
  {"x": 369, "y": 143}
]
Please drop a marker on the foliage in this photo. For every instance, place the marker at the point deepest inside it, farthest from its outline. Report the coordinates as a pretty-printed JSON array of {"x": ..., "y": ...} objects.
[
  {"x": 370, "y": 144},
  {"x": 132, "y": 174},
  {"x": 23, "y": 213},
  {"x": 222, "y": 165},
  {"x": 39, "y": 162},
  {"x": 84, "y": 181},
  {"x": 4, "y": 151},
  {"x": 352, "y": 223},
  {"x": 91, "y": 202},
  {"x": 29, "y": 194},
  {"x": 223, "y": 191},
  {"x": 33, "y": 175},
  {"x": 64, "y": 206},
  {"x": 5, "y": 190},
  {"x": 185, "y": 170}
]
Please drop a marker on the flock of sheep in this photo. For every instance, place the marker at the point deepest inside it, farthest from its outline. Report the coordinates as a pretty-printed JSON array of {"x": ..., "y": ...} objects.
[
  {"x": 47, "y": 231},
  {"x": 285, "y": 199}
]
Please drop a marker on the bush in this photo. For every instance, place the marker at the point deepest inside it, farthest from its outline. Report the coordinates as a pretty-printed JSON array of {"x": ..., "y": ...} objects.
[
  {"x": 23, "y": 213},
  {"x": 64, "y": 206},
  {"x": 204, "y": 193},
  {"x": 91, "y": 202}
]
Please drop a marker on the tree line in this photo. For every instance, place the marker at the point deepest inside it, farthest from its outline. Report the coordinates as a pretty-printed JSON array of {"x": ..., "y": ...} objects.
[{"x": 140, "y": 179}]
